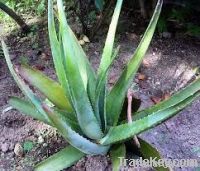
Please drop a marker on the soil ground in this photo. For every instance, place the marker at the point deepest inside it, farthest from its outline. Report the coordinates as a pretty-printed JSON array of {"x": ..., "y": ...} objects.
[{"x": 169, "y": 66}]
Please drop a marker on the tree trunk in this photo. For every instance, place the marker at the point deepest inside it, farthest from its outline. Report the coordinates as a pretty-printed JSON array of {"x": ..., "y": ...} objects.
[
  {"x": 25, "y": 28},
  {"x": 142, "y": 9}
]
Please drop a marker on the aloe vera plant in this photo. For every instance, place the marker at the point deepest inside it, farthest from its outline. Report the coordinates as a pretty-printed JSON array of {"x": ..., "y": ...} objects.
[{"x": 83, "y": 110}]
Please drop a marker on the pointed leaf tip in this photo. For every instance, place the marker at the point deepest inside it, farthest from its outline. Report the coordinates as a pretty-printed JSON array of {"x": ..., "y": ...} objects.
[
  {"x": 61, "y": 160},
  {"x": 119, "y": 90},
  {"x": 50, "y": 88}
]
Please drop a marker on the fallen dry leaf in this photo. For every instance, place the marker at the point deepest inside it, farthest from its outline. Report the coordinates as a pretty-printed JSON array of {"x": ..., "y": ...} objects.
[
  {"x": 156, "y": 100},
  {"x": 145, "y": 63},
  {"x": 44, "y": 56},
  {"x": 166, "y": 96},
  {"x": 141, "y": 77},
  {"x": 39, "y": 67}
]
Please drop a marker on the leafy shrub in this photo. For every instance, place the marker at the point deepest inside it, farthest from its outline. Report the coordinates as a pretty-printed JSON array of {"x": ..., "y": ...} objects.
[
  {"x": 162, "y": 25},
  {"x": 84, "y": 111},
  {"x": 23, "y": 6},
  {"x": 193, "y": 30}
]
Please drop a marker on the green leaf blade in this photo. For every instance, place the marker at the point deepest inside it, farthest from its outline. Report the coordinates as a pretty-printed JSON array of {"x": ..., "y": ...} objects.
[
  {"x": 61, "y": 160},
  {"x": 26, "y": 108},
  {"x": 77, "y": 79},
  {"x": 50, "y": 88},
  {"x": 30, "y": 110},
  {"x": 117, "y": 151},
  {"x": 106, "y": 61},
  {"x": 180, "y": 96},
  {"x": 56, "y": 53},
  {"x": 125, "y": 131},
  {"x": 120, "y": 88},
  {"x": 22, "y": 85},
  {"x": 72, "y": 137},
  {"x": 148, "y": 152},
  {"x": 108, "y": 48}
]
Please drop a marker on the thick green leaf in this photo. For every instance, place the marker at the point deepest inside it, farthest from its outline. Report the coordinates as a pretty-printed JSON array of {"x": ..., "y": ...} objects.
[
  {"x": 76, "y": 73},
  {"x": 148, "y": 152},
  {"x": 80, "y": 54},
  {"x": 108, "y": 48},
  {"x": 175, "y": 99},
  {"x": 23, "y": 86},
  {"x": 70, "y": 121},
  {"x": 51, "y": 89},
  {"x": 101, "y": 94},
  {"x": 61, "y": 160},
  {"x": 55, "y": 48},
  {"x": 119, "y": 90},
  {"x": 117, "y": 151},
  {"x": 74, "y": 49},
  {"x": 29, "y": 109},
  {"x": 102, "y": 108},
  {"x": 125, "y": 131},
  {"x": 172, "y": 101},
  {"x": 106, "y": 61},
  {"x": 73, "y": 138}
]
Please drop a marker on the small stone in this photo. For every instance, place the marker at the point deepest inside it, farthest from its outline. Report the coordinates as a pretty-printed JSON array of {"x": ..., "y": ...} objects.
[
  {"x": 44, "y": 56},
  {"x": 45, "y": 145},
  {"x": 40, "y": 140},
  {"x": 18, "y": 150},
  {"x": 166, "y": 35},
  {"x": 81, "y": 42},
  {"x": 18, "y": 168},
  {"x": 4, "y": 147},
  {"x": 86, "y": 39},
  {"x": 132, "y": 36},
  {"x": 192, "y": 142},
  {"x": 157, "y": 83},
  {"x": 96, "y": 53}
]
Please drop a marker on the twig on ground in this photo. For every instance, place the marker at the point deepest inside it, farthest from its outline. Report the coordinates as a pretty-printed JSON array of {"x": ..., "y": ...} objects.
[{"x": 129, "y": 115}]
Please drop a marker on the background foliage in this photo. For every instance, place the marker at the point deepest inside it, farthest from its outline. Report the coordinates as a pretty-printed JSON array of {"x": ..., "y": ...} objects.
[{"x": 179, "y": 15}]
